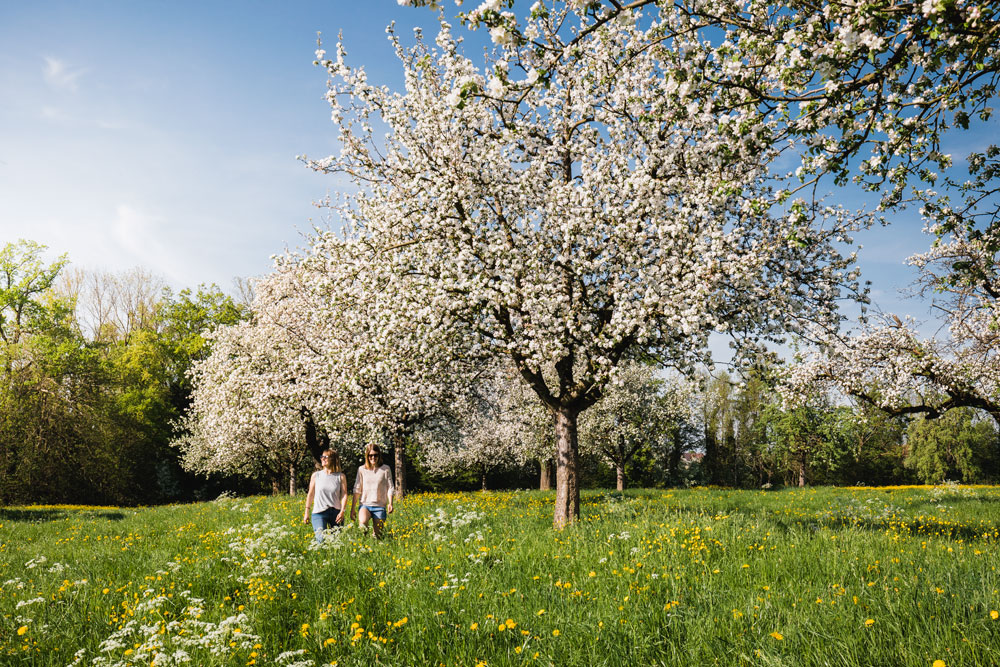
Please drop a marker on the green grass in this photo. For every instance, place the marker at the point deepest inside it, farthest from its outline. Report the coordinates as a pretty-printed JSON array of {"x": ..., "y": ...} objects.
[{"x": 903, "y": 576}]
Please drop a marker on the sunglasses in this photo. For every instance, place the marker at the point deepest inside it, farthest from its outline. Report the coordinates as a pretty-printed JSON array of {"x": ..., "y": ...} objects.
[{"x": 324, "y": 457}]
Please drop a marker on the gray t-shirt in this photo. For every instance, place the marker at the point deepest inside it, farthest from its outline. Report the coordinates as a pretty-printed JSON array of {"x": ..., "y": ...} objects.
[{"x": 328, "y": 490}]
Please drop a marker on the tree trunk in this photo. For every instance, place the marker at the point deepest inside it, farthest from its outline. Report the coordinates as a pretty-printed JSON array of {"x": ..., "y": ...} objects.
[
  {"x": 316, "y": 440},
  {"x": 399, "y": 454},
  {"x": 545, "y": 479},
  {"x": 675, "y": 457},
  {"x": 622, "y": 459},
  {"x": 291, "y": 479},
  {"x": 483, "y": 477},
  {"x": 567, "y": 509},
  {"x": 802, "y": 469}
]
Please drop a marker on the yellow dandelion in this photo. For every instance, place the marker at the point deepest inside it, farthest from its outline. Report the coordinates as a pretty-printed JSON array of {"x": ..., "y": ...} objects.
[
  {"x": 994, "y": 614},
  {"x": 939, "y": 663},
  {"x": 777, "y": 635},
  {"x": 474, "y": 626},
  {"x": 555, "y": 633},
  {"x": 21, "y": 630},
  {"x": 869, "y": 622}
]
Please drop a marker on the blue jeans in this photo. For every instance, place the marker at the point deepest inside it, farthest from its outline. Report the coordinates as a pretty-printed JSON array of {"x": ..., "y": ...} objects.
[
  {"x": 378, "y": 513},
  {"x": 325, "y": 519}
]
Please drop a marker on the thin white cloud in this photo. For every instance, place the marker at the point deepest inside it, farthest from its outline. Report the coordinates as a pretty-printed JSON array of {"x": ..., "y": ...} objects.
[
  {"x": 55, "y": 115},
  {"x": 61, "y": 75},
  {"x": 141, "y": 236}
]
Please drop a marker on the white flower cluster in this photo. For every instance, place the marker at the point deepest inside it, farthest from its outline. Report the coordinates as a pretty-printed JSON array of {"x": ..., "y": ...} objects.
[
  {"x": 636, "y": 409},
  {"x": 149, "y": 638},
  {"x": 498, "y": 423},
  {"x": 900, "y": 371},
  {"x": 951, "y": 489},
  {"x": 443, "y": 526},
  {"x": 263, "y": 549}
]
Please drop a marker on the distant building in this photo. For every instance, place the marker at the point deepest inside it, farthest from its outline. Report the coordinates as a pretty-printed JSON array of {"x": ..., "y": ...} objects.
[{"x": 689, "y": 459}]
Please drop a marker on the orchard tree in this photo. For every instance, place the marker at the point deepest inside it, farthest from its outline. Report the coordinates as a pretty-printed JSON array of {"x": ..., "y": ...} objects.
[
  {"x": 246, "y": 415},
  {"x": 497, "y": 423},
  {"x": 372, "y": 355},
  {"x": 891, "y": 366},
  {"x": 620, "y": 210},
  {"x": 852, "y": 89},
  {"x": 637, "y": 412}
]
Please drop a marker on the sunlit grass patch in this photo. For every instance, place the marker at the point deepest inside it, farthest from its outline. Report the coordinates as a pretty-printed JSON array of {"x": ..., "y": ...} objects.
[{"x": 715, "y": 576}]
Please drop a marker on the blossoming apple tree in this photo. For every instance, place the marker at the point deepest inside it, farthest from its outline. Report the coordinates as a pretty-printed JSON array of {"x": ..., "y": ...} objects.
[
  {"x": 636, "y": 412},
  {"x": 853, "y": 89},
  {"x": 890, "y": 365},
  {"x": 497, "y": 422},
  {"x": 245, "y": 416},
  {"x": 374, "y": 358},
  {"x": 580, "y": 199}
]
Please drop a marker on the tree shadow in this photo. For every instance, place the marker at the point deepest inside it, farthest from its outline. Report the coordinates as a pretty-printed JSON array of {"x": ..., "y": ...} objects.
[
  {"x": 916, "y": 528},
  {"x": 47, "y": 515}
]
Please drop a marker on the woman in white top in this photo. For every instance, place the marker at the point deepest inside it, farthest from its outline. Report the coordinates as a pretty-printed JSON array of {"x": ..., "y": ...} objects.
[
  {"x": 374, "y": 488},
  {"x": 327, "y": 495}
]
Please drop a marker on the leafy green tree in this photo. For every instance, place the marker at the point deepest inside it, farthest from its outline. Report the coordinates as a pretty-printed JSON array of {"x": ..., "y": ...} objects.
[
  {"x": 719, "y": 421},
  {"x": 187, "y": 319},
  {"x": 93, "y": 374},
  {"x": 959, "y": 445},
  {"x": 875, "y": 444}
]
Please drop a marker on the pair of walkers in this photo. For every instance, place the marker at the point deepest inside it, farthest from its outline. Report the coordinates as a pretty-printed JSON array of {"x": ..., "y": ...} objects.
[{"x": 327, "y": 495}]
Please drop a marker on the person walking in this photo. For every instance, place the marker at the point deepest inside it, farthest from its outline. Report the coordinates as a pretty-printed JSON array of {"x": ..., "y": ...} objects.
[
  {"x": 327, "y": 495},
  {"x": 373, "y": 488}
]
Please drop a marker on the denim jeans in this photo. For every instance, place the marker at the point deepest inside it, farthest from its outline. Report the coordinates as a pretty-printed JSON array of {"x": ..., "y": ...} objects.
[
  {"x": 378, "y": 513},
  {"x": 325, "y": 519}
]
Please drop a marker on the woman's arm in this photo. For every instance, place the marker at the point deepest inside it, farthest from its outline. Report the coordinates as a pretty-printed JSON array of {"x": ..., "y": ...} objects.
[
  {"x": 392, "y": 489},
  {"x": 359, "y": 485},
  {"x": 309, "y": 497},
  {"x": 343, "y": 497}
]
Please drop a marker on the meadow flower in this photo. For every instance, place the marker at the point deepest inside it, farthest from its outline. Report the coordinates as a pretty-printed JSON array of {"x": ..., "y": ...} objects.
[
  {"x": 869, "y": 622},
  {"x": 777, "y": 635},
  {"x": 994, "y": 614}
]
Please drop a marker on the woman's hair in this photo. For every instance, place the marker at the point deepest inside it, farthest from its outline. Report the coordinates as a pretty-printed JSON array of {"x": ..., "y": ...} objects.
[
  {"x": 334, "y": 461},
  {"x": 372, "y": 448}
]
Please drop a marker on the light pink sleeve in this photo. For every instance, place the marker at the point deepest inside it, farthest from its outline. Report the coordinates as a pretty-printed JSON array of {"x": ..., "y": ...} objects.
[{"x": 392, "y": 487}]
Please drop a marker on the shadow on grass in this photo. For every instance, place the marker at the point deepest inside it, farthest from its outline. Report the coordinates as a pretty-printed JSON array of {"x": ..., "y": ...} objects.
[
  {"x": 44, "y": 515},
  {"x": 618, "y": 505},
  {"x": 914, "y": 527}
]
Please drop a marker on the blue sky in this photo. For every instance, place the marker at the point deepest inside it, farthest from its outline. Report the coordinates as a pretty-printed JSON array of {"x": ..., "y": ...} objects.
[{"x": 164, "y": 134}]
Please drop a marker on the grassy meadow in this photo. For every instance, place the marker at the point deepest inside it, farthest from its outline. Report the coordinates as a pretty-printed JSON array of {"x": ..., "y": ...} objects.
[{"x": 887, "y": 576}]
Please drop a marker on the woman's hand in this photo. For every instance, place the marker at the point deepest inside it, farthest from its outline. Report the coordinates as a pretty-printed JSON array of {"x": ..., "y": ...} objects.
[
  {"x": 305, "y": 519},
  {"x": 388, "y": 508}
]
